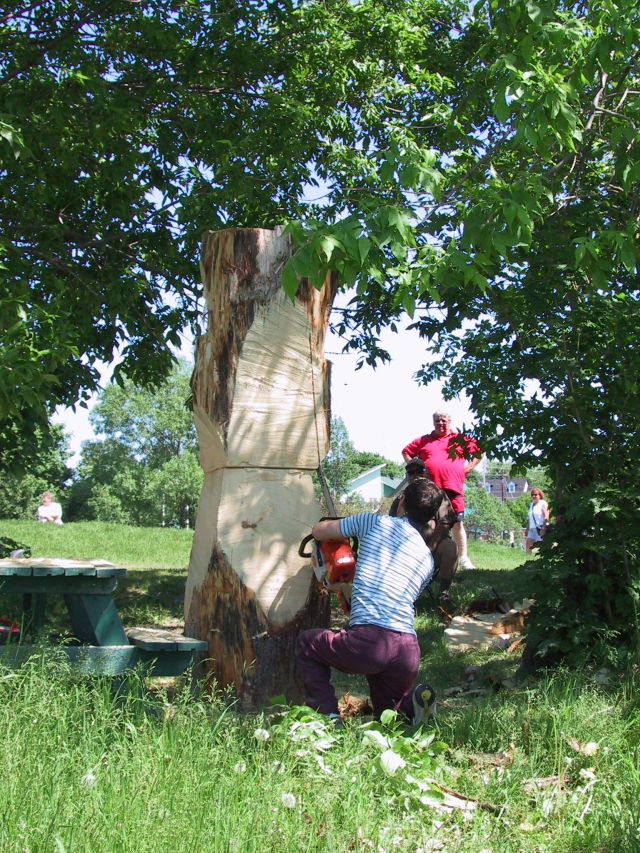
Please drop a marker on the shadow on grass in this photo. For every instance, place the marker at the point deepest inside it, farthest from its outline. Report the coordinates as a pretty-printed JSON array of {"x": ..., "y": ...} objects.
[{"x": 152, "y": 598}]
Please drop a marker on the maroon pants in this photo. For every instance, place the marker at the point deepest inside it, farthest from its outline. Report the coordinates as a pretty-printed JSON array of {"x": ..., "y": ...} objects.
[{"x": 390, "y": 660}]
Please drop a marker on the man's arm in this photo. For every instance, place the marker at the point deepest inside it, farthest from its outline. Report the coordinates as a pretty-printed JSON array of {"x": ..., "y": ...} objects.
[
  {"x": 471, "y": 464},
  {"x": 410, "y": 450},
  {"x": 325, "y": 530}
]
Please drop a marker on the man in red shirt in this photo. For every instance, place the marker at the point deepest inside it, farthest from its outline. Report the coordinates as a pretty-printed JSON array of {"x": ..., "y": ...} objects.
[{"x": 446, "y": 472}]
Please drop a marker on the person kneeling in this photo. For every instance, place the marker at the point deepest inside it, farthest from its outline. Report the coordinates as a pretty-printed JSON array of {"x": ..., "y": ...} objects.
[{"x": 394, "y": 566}]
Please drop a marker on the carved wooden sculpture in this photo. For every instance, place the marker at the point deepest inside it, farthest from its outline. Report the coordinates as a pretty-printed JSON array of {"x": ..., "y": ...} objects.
[{"x": 261, "y": 407}]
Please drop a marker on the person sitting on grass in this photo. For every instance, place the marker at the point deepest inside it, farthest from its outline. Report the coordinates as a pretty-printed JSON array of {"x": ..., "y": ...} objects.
[
  {"x": 49, "y": 512},
  {"x": 394, "y": 566}
]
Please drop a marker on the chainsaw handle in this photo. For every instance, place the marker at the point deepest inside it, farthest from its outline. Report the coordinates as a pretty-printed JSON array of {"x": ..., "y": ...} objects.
[{"x": 307, "y": 539}]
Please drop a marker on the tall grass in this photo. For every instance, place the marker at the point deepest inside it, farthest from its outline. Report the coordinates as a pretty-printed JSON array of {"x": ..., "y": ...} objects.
[
  {"x": 93, "y": 766},
  {"x": 93, "y": 769}
]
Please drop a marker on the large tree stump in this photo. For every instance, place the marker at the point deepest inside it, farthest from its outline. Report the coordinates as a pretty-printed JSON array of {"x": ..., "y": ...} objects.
[{"x": 261, "y": 407}]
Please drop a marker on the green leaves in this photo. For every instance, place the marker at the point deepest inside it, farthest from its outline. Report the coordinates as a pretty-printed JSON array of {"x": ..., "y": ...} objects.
[
  {"x": 521, "y": 274},
  {"x": 138, "y": 129},
  {"x": 373, "y": 246},
  {"x": 10, "y": 136}
]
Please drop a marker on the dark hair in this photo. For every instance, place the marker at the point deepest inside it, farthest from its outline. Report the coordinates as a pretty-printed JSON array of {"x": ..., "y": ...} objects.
[
  {"x": 422, "y": 500},
  {"x": 415, "y": 462}
]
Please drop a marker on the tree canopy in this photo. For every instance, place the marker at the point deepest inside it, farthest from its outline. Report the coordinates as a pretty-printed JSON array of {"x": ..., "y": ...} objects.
[
  {"x": 143, "y": 466},
  {"x": 127, "y": 129},
  {"x": 479, "y": 170}
]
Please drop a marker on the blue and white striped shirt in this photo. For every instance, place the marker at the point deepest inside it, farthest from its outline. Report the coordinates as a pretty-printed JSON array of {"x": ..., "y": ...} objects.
[{"x": 394, "y": 565}]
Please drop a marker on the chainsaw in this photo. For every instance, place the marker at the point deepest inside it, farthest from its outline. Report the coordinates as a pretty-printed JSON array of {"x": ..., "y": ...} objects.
[
  {"x": 334, "y": 565},
  {"x": 333, "y": 561}
]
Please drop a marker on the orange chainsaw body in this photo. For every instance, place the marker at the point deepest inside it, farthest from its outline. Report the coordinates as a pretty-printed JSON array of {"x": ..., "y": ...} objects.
[
  {"x": 334, "y": 565},
  {"x": 337, "y": 561}
]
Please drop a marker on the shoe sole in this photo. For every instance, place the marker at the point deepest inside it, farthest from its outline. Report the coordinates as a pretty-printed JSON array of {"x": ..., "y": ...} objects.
[{"x": 426, "y": 708}]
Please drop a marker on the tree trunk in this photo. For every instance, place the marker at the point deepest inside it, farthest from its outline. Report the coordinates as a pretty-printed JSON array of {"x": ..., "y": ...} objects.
[{"x": 261, "y": 407}]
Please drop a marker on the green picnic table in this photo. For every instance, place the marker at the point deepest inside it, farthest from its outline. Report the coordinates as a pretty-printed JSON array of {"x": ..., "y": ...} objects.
[{"x": 103, "y": 646}]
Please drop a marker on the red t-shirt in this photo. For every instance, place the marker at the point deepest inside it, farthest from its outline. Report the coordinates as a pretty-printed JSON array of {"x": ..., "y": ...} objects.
[{"x": 447, "y": 473}]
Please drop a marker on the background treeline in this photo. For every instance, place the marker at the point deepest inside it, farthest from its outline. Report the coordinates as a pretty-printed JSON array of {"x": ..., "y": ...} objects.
[{"x": 142, "y": 468}]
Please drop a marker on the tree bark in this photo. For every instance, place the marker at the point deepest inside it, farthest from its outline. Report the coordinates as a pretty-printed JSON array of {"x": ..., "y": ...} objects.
[{"x": 261, "y": 407}]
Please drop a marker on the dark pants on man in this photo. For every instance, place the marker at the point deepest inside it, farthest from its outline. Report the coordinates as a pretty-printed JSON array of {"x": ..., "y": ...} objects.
[
  {"x": 445, "y": 558},
  {"x": 389, "y": 659}
]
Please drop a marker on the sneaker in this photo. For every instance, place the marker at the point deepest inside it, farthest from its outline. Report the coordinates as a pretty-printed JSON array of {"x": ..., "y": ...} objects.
[
  {"x": 465, "y": 563},
  {"x": 336, "y": 720},
  {"x": 445, "y": 601},
  {"x": 424, "y": 703}
]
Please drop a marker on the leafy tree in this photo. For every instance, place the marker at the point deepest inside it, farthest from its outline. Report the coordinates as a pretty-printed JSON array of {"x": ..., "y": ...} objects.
[
  {"x": 495, "y": 468},
  {"x": 20, "y": 488},
  {"x": 127, "y": 129},
  {"x": 485, "y": 514},
  {"x": 144, "y": 470},
  {"x": 515, "y": 250},
  {"x": 482, "y": 171},
  {"x": 344, "y": 462},
  {"x": 338, "y": 467},
  {"x": 104, "y": 505},
  {"x": 152, "y": 424},
  {"x": 178, "y": 484},
  {"x": 364, "y": 460},
  {"x": 519, "y": 509}
]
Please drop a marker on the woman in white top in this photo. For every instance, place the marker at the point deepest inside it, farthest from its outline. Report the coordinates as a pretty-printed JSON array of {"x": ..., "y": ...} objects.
[
  {"x": 49, "y": 511},
  {"x": 538, "y": 519}
]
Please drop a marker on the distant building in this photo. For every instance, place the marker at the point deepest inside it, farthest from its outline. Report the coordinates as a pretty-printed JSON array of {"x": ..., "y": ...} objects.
[
  {"x": 506, "y": 488},
  {"x": 372, "y": 485}
]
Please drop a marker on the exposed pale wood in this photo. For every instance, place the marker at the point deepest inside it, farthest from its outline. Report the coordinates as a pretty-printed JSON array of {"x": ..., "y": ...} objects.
[{"x": 261, "y": 407}]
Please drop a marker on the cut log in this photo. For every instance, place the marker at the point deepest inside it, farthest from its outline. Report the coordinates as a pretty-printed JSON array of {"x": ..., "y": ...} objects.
[{"x": 261, "y": 407}]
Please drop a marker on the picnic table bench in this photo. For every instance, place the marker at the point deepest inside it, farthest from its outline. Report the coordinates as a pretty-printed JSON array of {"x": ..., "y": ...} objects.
[{"x": 102, "y": 644}]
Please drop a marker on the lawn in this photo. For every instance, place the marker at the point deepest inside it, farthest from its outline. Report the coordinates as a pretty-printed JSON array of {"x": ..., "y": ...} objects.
[{"x": 546, "y": 765}]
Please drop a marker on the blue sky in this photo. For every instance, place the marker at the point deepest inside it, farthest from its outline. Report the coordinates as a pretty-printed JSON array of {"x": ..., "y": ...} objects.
[{"x": 384, "y": 409}]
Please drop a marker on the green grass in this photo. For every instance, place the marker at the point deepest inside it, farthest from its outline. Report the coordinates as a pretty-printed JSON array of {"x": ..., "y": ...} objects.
[
  {"x": 131, "y": 547},
  {"x": 91, "y": 769},
  {"x": 88, "y": 769}
]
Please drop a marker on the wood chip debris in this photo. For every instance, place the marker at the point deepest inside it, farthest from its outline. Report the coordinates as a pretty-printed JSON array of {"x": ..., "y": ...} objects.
[{"x": 478, "y": 630}]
